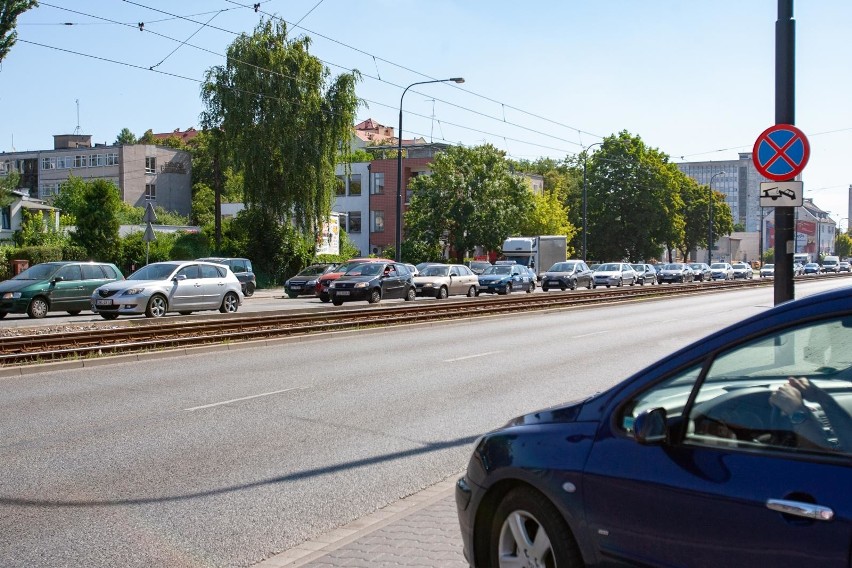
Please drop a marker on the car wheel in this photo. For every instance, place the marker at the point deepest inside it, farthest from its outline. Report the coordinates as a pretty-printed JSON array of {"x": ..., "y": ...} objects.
[
  {"x": 471, "y": 292},
  {"x": 230, "y": 303},
  {"x": 592, "y": 285},
  {"x": 607, "y": 285},
  {"x": 375, "y": 296},
  {"x": 573, "y": 285},
  {"x": 337, "y": 302},
  {"x": 38, "y": 308},
  {"x": 442, "y": 294},
  {"x": 508, "y": 288},
  {"x": 292, "y": 296},
  {"x": 74, "y": 312},
  {"x": 109, "y": 316},
  {"x": 411, "y": 295},
  {"x": 527, "y": 530},
  {"x": 249, "y": 291},
  {"x": 3, "y": 314},
  {"x": 620, "y": 283},
  {"x": 544, "y": 288},
  {"x": 157, "y": 306},
  {"x": 325, "y": 298}
]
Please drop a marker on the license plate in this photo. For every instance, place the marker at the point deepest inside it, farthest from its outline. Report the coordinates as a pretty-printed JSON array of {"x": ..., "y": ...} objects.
[
  {"x": 555, "y": 282},
  {"x": 342, "y": 293},
  {"x": 295, "y": 287},
  {"x": 103, "y": 302}
]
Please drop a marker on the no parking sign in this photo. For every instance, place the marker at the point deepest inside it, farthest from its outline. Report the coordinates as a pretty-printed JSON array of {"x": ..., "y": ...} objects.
[{"x": 781, "y": 152}]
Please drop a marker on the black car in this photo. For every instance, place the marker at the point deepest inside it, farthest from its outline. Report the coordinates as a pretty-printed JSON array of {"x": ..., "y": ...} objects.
[
  {"x": 305, "y": 282},
  {"x": 676, "y": 272},
  {"x": 373, "y": 282},
  {"x": 241, "y": 267},
  {"x": 567, "y": 275}
]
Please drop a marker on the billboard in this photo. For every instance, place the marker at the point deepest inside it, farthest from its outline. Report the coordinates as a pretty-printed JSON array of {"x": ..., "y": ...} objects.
[{"x": 328, "y": 239}]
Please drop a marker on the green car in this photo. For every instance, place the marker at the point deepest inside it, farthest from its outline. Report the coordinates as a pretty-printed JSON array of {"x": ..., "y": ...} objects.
[{"x": 55, "y": 287}]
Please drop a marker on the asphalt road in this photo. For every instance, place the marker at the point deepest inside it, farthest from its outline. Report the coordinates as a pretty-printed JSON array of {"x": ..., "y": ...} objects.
[{"x": 224, "y": 458}]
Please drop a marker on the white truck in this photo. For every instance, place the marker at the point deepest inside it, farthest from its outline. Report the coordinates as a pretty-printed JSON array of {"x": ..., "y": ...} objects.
[{"x": 539, "y": 252}]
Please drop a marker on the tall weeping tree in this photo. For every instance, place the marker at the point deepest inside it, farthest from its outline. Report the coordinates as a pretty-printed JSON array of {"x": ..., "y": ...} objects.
[
  {"x": 9, "y": 12},
  {"x": 282, "y": 119}
]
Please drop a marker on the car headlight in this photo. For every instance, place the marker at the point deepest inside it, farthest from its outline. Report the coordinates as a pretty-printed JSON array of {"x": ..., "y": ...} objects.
[
  {"x": 11, "y": 295},
  {"x": 132, "y": 291},
  {"x": 330, "y": 286},
  {"x": 311, "y": 283},
  {"x": 361, "y": 285},
  {"x": 428, "y": 285}
]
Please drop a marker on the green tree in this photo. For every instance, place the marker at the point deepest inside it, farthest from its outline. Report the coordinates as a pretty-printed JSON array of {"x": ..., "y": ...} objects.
[
  {"x": 768, "y": 256},
  {"x": 548, "y": 216},
  {"x": 695, "y": 212},
  {"x": 147, "y": 138},
  {"x": 281, "y": 122},
  {"x": 70, "y": 199},
  {"x": 7, "y": 185},
  {"x": 9, "y": 12},
  {"x": 125, "y": 137},
  {"x": 633, "y": 200},
  {"x": 96, "y": 228},
  {"x": 203, "y": 205},
  {"x": 471, "y": 199},
  {"x": 723, "y": 219},
  {"x": 843, "y": 245},
  {"x": 36, "y": 230}
]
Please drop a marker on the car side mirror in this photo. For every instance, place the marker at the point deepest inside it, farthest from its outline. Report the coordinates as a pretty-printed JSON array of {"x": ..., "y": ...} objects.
[
  {"x": 650, "y": 428},
  {"x": 179, "y": 277},
  {"x": 58, "y": 279}
]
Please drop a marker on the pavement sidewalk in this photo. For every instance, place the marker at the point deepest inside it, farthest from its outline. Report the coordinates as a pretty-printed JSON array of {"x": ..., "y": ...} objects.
[{"x": 421, "y": 530}]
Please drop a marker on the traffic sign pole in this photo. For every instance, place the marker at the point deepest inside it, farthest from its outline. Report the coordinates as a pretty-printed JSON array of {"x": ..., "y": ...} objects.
[{"x": 785, "y": 113}]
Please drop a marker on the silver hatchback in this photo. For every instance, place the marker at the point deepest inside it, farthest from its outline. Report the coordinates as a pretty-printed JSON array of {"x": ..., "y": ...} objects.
[{"x": 174, "y": 286}]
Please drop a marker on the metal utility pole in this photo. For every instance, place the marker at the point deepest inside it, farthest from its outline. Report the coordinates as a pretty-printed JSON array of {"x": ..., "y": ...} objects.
[{"x": 785, "y": 113}]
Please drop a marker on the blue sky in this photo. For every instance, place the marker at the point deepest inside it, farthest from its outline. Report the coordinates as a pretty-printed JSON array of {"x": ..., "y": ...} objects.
[{"x": 693, "y": 78}]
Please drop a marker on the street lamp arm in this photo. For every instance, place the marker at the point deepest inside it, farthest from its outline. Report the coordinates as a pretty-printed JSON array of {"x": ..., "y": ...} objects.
[
  {"x": 398, "y": 256},
  {"x": 585, "y": 157}
]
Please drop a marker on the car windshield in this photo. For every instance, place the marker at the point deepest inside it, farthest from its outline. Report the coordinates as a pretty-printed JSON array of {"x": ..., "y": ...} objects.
[
  {"x": 673, "y": 266},
  {"x": 718, "y": 265},
  {"x": 769, "y": 266},
  {"x": 609, "y": 268},
  {"x": 312, "y": 271},
  {"x": 739, "y": 265},
  {"x": 502, "y": 269},
  {"x": 696, "y": 266},
  {"x": 154, "y": 271},
  {"x": 435, "y": 271},
  {"x": 638, "y": 267},
  {"x": 366, "y": 269},
  {"x": 562, "y": 267},
  {"x": 38, "y": 272}
]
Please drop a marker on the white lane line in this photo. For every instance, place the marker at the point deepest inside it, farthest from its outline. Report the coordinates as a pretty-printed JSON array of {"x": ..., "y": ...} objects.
[
  {"x": 590, "y": 334},
  {"x": 243, "y": 398},
  {"x": 471, "y": 356}
]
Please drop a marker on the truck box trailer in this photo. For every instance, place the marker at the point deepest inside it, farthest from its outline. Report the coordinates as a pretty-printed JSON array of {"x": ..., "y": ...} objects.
[{"x": 539, "y": 252}]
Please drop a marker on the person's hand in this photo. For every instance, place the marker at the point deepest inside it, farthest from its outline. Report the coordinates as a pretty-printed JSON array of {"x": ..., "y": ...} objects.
[{"x": 788, "y": 397}]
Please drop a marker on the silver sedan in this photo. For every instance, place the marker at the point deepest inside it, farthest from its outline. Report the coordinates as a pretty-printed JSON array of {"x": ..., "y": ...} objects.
[
  {"x": 175, "y": 286},
  {"x": 442, "y": 280}
]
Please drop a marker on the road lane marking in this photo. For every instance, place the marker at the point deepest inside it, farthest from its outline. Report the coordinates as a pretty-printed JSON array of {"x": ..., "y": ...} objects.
[
  {"x": 241, "y": 399},
  {"x": 590, "y": 334},
  {"x": 472, "y": 356}
]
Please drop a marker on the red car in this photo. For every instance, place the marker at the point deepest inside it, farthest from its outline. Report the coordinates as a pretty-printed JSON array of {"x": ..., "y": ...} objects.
[{"x": 322, "y": 283}]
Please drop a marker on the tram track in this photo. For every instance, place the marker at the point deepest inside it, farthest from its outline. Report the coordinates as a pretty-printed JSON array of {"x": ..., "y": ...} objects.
[{"x": 146, "y": 335}]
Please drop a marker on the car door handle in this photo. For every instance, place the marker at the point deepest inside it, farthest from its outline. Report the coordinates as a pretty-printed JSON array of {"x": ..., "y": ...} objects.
[{"x": 800, "y": 509}]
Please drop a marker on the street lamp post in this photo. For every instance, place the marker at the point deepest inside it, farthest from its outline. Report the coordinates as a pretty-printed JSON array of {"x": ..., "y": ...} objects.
[
  {"x": 585, "y": 157},
  {"x": 710, "y": 230},
  {"x": 398, "y": 256}
]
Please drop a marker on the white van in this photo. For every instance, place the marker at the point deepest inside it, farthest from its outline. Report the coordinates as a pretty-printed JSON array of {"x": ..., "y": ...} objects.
[{"x": 831, "y": 264}]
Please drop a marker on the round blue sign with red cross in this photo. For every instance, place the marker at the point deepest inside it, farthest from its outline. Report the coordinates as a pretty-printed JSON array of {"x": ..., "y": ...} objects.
[{"x": 781, "y": 152}]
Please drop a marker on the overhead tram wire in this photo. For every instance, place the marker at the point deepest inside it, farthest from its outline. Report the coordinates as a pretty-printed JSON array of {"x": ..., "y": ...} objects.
[
  {"x": 201, "y": 81},
  {"x": 273, "y": 16},
  {"x": 206, "y": 24}
]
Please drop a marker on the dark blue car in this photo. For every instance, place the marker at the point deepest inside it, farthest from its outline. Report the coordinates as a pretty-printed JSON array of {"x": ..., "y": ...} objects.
[
  {"x": 734, "y": 451},
  {"x": 505, "y": 279}
]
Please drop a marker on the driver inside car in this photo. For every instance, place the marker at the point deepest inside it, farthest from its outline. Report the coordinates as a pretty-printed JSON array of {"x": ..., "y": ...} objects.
[{"x": 790, "y": 400}]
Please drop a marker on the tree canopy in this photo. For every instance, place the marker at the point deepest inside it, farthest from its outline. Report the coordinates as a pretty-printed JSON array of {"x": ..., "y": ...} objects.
[
  {"x": 471, "y": 199},
  {"x": 125, "y": 137},
  {"x": 282, "y": 120},
  {"x": 9, "y": 12}
]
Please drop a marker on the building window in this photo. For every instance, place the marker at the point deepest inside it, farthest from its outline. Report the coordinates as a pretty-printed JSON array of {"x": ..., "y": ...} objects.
[
  {"x": 355, "y": 184},
  {"x": 48, "y": 163},
  {"x": 378, "y": 184},
  {"x": 377, "y": 221},
  {"x": 340, "y": 188},
  {"x": 97, "y": 160},
  {"x": 354, "y": 222},
  {"x": 150, "y": 191},
  {"x": 80, "y": 162},
  {"x": 150, "y": 165},
  {"x": 6, "y": 217},
  {"x": 112, "y": 159},
  {"x": 46, "y": 190}
]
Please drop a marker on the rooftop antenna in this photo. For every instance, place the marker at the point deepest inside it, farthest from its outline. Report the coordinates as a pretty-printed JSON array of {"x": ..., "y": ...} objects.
[
  {"x": 432, "y": 129},
  {"x": 78, "y": 130}
]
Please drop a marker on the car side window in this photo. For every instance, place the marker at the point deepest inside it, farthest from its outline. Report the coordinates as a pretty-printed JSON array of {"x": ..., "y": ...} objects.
[
  {"x": 92, "y": 272},
  {"x": 671, "y": 394},
  {"x": 238, "y": 266},
  {"x": 190, "y": 271},
  {"x": 454, "y": 271},
  {"x": 70, "y": 273},
  {"x": 208, "y": 271},
  {"x": 787, "y": 391}
]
